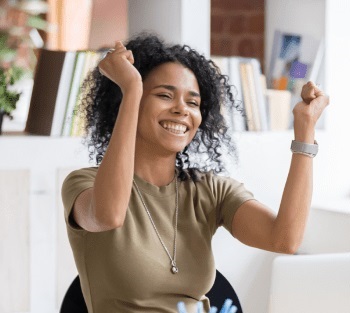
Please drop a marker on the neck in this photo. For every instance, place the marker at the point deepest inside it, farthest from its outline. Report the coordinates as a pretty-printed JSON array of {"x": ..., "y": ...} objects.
[{"x": 159, "y": 170}]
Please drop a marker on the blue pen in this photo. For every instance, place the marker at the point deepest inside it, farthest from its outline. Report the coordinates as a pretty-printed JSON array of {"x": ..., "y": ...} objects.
[
  {"x": 181, "y": 307},
  {"x": 199, "y": 307},
  {"x": 226, "y": 306},
  {"x": 233, "y": 309}
]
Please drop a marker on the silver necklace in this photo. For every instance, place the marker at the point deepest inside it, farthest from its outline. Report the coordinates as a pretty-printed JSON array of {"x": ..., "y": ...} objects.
[{"x": 174, "y": 268}]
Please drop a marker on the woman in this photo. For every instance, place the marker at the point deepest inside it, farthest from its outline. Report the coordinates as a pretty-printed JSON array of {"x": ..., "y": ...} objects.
[{"x": 140, "y": 223}]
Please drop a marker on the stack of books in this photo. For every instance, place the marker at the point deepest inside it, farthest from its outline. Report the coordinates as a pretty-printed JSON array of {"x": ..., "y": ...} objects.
[
  {"x": 248, "y": 91},
  {"x": 56, "y": 92}
]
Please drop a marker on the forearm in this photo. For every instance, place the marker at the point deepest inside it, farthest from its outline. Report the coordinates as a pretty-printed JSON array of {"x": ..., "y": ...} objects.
[
  {"x": 259, "y": 227},
  {"x": 113, "y": 180},
  {"x": 296, "y": 200}
]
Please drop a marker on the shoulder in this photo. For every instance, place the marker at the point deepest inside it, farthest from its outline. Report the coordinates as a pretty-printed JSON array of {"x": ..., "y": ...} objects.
[
  {"x": 78, "y": 180},
  {"x": 74, "y": 184},
  {"x": 80, "y": 174},
  {"x": 85, "y": 170}
]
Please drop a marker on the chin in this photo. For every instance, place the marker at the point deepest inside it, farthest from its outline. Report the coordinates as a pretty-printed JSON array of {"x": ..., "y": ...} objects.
[{"x": 173, "y": 149}]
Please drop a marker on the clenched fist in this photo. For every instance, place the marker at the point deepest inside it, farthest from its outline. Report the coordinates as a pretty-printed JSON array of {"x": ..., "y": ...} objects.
[
  {"x": 307, "y": 112},
  {"x": 118, "y": 67}
]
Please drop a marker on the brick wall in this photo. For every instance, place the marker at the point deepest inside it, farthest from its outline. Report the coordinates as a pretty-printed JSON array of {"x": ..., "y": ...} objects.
[{"x": 237, "y": 28}]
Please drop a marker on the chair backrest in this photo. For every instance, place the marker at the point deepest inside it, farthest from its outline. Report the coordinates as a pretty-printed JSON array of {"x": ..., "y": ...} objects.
[
  {"x": 73, "y": 301},
  {"x": 221, "y": 291}
]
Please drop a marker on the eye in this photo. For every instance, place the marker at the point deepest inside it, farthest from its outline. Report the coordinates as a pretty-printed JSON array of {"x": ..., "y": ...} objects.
[
  {"x": 165, "y": 96},
  {"x": 193, "y": 103}
]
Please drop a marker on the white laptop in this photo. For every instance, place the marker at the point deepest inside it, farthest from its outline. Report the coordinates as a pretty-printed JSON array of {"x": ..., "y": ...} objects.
[{"x": 317, "y": 283}]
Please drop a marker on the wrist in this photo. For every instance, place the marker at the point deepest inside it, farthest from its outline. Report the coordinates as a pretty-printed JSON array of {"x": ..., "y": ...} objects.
[
  {"x": 307, "y": 136},
  {"x": 132, "y": 95},
  {"x": 135, "y": 89},
  {"x": 305, "y": 139}
]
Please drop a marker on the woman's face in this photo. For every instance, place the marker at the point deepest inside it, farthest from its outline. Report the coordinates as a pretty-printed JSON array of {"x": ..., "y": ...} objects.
[{"x": 170, "y": 108}]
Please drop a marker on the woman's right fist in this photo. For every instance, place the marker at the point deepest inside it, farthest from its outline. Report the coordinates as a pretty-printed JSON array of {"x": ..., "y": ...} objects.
[{"x": 117, "y": 65}]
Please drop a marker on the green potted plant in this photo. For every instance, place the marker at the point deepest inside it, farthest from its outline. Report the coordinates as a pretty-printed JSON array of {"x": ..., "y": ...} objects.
[
  {"x": 19, "y": 39},
  {"x": 10, "y": 73},
  {"x": 8, "y": 97}
]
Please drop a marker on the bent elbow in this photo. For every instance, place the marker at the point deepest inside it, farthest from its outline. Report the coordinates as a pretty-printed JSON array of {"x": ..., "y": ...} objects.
[
  {"x": 107, "y": 222},
  {"x": 118, "y": 222},
  {"x": 290, "y": 250},
  {"x": 114, "y": 222},
  {"x": 286, "y": 248}
]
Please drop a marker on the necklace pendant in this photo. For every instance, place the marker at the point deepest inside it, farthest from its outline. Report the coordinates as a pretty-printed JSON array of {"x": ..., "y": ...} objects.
[{"x": 174, "y": 270}]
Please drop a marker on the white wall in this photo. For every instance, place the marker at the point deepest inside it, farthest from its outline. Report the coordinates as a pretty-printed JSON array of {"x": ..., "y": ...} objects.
[
  {"x": 337, "y": 81},
  {"x": 162, "y": 17},
  {"x": 177, "y": 22},
  {"x": 196, "y": 27}
]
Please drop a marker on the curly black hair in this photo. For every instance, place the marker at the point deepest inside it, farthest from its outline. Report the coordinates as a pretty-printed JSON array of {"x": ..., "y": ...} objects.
[{"x": 101, "y": 99}]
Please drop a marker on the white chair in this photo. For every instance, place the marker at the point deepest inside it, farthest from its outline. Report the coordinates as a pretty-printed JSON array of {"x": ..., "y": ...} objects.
[{"x": 318, "y": 283}]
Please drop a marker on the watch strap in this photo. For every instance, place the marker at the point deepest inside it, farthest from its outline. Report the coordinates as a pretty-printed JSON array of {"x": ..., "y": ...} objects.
[{"x": 304, "y": 148}]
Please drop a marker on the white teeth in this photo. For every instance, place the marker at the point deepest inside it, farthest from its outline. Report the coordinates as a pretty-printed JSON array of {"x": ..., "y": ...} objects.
[
  {"x": 174, "y": 127},
  {"x": 174, "y": 131}
]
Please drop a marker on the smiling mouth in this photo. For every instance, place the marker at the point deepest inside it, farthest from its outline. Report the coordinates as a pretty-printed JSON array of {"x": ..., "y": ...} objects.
[{"x": 174, "y": 128}]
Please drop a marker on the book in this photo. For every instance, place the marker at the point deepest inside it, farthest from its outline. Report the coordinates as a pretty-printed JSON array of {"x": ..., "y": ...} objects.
[
  {"x": 279, "y": 103},
  {"x": 249, "y": 96},
  {"x": 62, "y": 93},
  {"x": 73, "y": 93},
  {"x": 56, "y": 90},
  {"x": 259, "y": 86},
  {"x": 48, "y": 75},
  {"x": 238, "y": 121},
  {"x": 248, "y": 93}
]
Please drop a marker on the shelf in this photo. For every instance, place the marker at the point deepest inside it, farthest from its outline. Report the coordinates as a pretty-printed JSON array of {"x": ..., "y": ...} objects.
[{"x": 23, "y": 134}]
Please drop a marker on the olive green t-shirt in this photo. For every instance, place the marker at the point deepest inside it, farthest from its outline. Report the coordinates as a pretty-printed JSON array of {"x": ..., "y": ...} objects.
[{"x": 127, "y": 270}]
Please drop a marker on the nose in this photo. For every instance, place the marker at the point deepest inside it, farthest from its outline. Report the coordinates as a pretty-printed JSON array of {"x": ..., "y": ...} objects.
[{"x": 180, "y": 107}]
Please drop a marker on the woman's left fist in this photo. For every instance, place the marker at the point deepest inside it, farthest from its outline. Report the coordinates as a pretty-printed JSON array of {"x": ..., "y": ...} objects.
[{"x": 310, "y": 109}]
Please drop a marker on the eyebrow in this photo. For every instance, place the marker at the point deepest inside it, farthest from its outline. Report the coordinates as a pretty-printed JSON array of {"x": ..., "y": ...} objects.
[{"x": 173, "y": 88}]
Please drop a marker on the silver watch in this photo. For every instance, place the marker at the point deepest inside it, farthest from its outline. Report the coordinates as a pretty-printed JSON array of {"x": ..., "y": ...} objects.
[{"x": 304, "y": 148}]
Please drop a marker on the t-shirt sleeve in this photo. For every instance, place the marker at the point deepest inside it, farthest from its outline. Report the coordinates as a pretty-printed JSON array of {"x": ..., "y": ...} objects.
[
  {"x": 75, "y": 183},
  {"x": 230, "y": 194}
]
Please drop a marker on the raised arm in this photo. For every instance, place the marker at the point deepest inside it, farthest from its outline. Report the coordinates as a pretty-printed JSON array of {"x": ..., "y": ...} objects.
[
  {"x": 255, "y": 224},
  {"x": 104, "y": 206}
]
